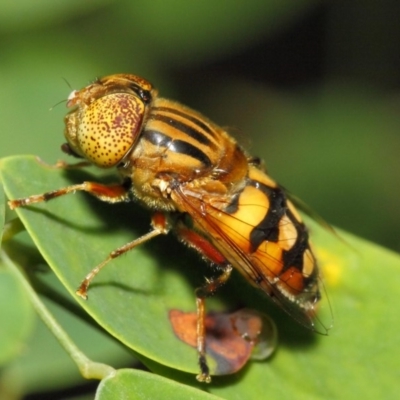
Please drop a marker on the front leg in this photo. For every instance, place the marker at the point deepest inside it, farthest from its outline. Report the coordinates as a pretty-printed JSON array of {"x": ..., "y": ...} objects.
[{"x": 113, "y": 193}]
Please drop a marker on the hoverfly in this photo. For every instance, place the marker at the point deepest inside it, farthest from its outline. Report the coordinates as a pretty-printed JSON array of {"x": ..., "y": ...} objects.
[{"x": 200, "y": 184}]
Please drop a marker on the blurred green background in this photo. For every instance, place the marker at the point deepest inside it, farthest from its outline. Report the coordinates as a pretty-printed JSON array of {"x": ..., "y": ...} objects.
[{"x": 311, "y": 87}]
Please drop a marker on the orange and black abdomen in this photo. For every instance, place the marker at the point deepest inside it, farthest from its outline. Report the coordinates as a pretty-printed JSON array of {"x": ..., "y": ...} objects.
[{"x": 266, "y": 240}]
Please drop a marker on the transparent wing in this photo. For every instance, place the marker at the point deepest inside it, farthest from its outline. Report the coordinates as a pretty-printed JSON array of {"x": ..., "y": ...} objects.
[{"x": 221, "y": 228}]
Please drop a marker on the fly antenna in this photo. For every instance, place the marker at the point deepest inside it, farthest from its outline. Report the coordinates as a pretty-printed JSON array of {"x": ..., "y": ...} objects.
[
  {"x": 55, "y": 105},
  {"x": 62, "y": 101},
  {"x": 66, "y": 81}
]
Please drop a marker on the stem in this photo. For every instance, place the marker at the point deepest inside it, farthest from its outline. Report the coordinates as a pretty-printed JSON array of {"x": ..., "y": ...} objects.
[{"x": 88, "y": 368}]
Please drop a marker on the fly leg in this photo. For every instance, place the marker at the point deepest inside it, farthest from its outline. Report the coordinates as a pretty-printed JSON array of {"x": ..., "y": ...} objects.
[
  {"x": 111, "y": 193},
  {"x": 160, "y": 227},
  {"x": 206, "y": 249},
  {"x": 201, "y": 294}
]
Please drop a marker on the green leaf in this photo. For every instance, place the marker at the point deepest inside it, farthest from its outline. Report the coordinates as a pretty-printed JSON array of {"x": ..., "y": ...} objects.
[
  {"x": 27, "y": 375},
  {"x": 132, "y": 296},
  {"x": 16, "y": 312},
  {"x": 140, "y": 385}
]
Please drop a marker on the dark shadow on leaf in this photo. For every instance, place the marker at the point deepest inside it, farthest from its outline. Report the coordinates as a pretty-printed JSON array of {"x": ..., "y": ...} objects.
[
  {"x": 25, "y": 255},
  {"x": 119, "y": 220},
  {"x": 119, "y": 285}
]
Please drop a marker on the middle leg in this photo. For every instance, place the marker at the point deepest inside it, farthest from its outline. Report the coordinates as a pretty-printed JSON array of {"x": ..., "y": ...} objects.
[{"x": 160, "y": 227}]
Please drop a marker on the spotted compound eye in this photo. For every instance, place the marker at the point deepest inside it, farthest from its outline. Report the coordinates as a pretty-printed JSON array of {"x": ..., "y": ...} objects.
[{"x": 108, "y": 128}]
